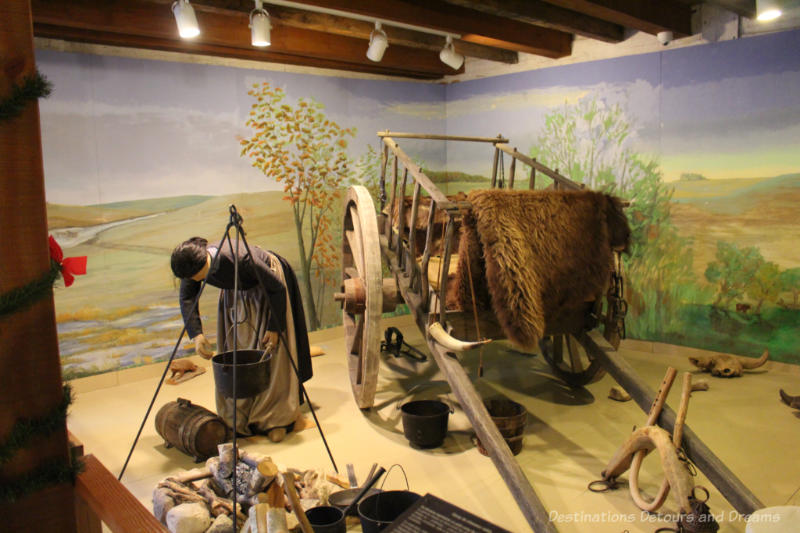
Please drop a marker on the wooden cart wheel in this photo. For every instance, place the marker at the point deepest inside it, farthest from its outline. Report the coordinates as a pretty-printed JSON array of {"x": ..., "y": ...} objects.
[
  {"x": 362, "y": 295},
  {"x": 569, "y": 361}
]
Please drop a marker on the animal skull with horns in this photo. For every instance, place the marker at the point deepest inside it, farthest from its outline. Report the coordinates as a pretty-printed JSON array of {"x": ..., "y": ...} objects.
[{"x": 728, "y": 366}]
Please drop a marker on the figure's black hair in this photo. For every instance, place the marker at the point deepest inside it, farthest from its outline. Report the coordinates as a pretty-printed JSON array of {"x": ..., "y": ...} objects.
[{"x": 189, "y": 257}]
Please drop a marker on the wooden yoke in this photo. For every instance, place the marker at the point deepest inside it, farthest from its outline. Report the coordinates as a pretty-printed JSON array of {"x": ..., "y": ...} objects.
[{"x": 649, "y": 437}]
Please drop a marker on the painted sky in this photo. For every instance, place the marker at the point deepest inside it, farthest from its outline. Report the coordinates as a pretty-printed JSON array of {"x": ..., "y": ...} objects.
[
  {"x": 120, "y": 129},
  {"x": 727, "y": 110}
]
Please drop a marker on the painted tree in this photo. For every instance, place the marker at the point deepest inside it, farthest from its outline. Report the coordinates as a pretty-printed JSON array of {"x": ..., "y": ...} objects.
[
  {"x": 766, "y": 285},
  {"x": 368, "y": 170},
  {"x": 591, "y": 142},
  {"x": 304, "y": 151},
  {"x": 790, "y": 282},
  {"x": 587, "y": 142},
  {"x": 733, "y": 271}
]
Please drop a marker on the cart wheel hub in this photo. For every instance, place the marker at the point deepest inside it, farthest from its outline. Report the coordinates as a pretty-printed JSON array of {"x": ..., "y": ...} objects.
[{"x": 353, "y": 296}]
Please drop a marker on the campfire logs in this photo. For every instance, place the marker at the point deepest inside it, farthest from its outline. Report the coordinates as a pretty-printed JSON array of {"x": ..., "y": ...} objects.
[{"x": 201, "y": 500}]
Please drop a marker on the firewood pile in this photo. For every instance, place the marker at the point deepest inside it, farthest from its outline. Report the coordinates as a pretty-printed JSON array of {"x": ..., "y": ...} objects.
[{"x": 268, "y": 500}]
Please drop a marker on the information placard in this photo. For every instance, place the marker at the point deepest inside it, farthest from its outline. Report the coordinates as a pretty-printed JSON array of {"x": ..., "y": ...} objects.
[{"x": 430, "y": 514}]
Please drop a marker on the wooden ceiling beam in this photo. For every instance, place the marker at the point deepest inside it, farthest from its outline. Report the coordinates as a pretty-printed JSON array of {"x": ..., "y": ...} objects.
[
  {"x": 182, "y": 46},
  {"x": 349, "y": 27},
  {"x": 471, "y": 26},
  {"x": 147, "y": 25},
  {"x": 650, "y": 16},
  {"x": 544, "y": 14},
  {"x": 397, "y": 36}
]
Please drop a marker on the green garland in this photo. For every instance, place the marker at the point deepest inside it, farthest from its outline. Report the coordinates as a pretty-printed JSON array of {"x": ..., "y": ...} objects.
[
  {"x": 21, "y": 297},
  {"x": 27, "y": 429},
  {"x": 51, "y": 472},
  {"x": 33, "y": 86}
]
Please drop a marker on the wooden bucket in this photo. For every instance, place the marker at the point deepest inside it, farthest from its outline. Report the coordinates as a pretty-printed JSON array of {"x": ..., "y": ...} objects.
[
  {"x": 509, "y": 417},
  {"x": 192, "y": 429}
]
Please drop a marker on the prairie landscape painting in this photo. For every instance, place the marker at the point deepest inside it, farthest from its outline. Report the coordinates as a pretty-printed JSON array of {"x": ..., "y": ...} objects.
[
  {"x": 703, "y": 143},
  {"x": 140, "y": 155}
]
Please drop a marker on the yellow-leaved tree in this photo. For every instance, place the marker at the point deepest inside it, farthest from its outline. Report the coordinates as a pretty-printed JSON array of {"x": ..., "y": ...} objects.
[{"x": 300, "y": 148}]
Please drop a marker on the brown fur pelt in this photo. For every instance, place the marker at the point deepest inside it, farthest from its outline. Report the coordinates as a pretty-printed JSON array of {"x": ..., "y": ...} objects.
[{"x": 533, "y": 254}]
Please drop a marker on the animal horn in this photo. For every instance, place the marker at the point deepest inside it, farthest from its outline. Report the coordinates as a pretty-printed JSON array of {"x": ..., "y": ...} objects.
[
  {"x": 791, "y": 401},
  {"x": 749, "y": 363},
  {"x": 449, "y": 342}
]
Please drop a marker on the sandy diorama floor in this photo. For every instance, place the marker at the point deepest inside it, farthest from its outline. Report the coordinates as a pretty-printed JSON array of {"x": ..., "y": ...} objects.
[{"x": 569, "y": 438}]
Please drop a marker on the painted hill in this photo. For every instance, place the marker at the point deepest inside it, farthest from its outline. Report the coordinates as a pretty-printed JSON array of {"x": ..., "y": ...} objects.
[
  {"x": 760, "y": 212},
  {"x": 67, "y": 216},
  {"x": 734, "y": 196},
  {"x": 450, "y": 177}
]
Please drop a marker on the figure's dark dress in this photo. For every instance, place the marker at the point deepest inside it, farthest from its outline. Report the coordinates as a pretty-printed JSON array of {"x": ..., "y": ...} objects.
[{"x": 269, "y": 300}]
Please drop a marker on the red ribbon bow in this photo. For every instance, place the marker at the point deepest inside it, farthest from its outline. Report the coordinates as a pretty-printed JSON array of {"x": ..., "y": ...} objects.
[{"x": 70, "y": 266}]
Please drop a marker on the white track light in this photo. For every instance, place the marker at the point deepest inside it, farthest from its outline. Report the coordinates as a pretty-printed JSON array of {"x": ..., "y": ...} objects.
[
  {"x": 449, "y": 56},
  {"x": 767, "y": 10},
  {"x": 185, "y": 19},
  {"x": 377, "y": 43},
  {"x": 260, "y": 26}
]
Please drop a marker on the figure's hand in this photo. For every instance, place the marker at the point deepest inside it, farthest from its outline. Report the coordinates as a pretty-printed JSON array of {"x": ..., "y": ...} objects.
[
  {"x": 203, "y": 347},
  {"x": 270, "y": 338}
]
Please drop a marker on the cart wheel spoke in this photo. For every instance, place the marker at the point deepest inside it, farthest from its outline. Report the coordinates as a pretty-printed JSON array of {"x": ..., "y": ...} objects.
[
  {"x": 558, "y": 350},
  {"x": 350, "y": 272},
  {"x": 575, "y": 362},
  {"x": 358, "y": 333},
  {"x": 355, "y": 246}
]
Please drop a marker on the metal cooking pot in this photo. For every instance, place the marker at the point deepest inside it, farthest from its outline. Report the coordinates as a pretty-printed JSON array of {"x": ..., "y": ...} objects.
[{"x": 252, "y": 372}]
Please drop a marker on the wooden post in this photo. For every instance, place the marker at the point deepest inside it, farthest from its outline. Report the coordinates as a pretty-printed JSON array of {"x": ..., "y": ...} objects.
[
  {"x": 494, "y": 166},
  {"x": 532, "y": 181},
  {"x": 511, "y": 171},
  {"x": 426, "y": 254},
  {"x": 448, "y": 245},
  {"x": 389, "y": 220},
  {"x": 384, "y": 162},
  {"x": 411, "y": 260},
  {"x": 30, "y": 369},
  {"x": 401, "y": 218}
]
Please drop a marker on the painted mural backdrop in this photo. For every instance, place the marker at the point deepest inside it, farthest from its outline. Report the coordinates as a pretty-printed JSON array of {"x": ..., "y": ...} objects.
[
  {"x": 703, "y": 141},
  {"x": 140, "y": 155}
]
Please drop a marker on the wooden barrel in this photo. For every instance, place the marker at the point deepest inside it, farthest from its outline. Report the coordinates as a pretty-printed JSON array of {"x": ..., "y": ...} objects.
[{"x": 192, "y": 429}]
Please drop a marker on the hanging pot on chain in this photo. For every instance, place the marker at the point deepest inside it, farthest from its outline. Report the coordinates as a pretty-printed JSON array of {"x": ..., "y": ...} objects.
[{"x": 252, "y": 372}]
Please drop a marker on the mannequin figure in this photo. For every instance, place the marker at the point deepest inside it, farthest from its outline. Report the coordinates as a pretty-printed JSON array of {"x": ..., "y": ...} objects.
[{"x": 269, "y": 312}]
